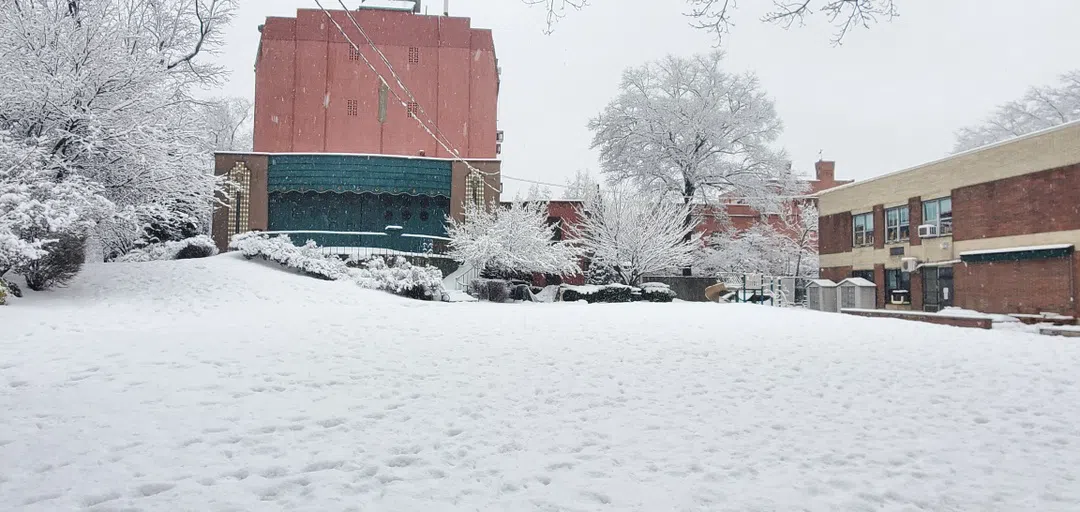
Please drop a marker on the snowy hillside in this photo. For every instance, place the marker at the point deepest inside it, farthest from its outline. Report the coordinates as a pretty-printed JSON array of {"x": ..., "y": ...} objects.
[{"x": 223, "y": 384}]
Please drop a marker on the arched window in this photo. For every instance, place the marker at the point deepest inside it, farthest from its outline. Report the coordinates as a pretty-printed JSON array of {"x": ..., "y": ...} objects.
[
  {"x": 238, "y": 189},
  {"x": 474, "y": 191}
]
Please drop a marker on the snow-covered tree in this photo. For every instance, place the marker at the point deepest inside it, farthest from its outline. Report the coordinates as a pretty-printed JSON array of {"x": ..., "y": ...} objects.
[
  {"x": 717, "y": 16},
  {"x": 1039, "y": 108},
  {"x": 43, "y": 219},
  {"x": 514, "y": 241},
  {"x": 780, "y": 245},
  {"x": 635, "y": 234},
  {"x": 106, "y": 86},
  {"x": 229, "y": 121},
  {"x": 687, "y": 129},
  {"x": 536, "y": 192},
  {"x": 581, "y": 187}
]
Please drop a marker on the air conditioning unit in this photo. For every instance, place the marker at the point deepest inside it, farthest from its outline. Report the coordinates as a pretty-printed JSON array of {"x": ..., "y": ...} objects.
[
  {"x": 899, "y": 297},
  {"x": 498, "y": 149},
  {"x": 928, "y": 231},
  {"x": 499, "y": 136},
  {"x": 909, "y": 265}
]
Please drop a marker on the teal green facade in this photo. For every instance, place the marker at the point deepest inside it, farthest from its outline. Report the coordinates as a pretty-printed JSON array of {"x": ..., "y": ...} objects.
[{"x": 351, "y": 193}]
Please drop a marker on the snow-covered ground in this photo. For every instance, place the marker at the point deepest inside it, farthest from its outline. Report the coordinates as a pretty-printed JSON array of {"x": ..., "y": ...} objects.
[{"x": 222, "y": 384}]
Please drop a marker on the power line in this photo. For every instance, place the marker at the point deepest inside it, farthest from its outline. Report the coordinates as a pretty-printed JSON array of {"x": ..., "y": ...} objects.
[{"x": 454, "y": 153}]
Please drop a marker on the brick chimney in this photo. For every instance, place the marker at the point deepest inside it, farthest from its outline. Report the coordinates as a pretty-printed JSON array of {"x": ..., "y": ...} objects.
[{"x": 826, "y": 172}]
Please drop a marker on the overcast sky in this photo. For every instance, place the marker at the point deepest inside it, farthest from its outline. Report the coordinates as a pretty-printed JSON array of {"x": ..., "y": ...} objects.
[{"x": 891, "y": 97}]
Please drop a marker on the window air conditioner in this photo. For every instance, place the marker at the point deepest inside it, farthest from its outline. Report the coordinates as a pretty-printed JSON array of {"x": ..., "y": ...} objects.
[
  {"x": 899, "y": 297},
  {"x": 909, "y": 265},
  {"x": 499, "y": 136},
  {"x": 928, "y": 231}
]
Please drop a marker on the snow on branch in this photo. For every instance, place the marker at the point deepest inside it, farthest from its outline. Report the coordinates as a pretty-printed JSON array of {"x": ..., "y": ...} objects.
[
  {"x": 718, "y": 16},
  {"x": 512, "y": 241},
  {"x": 636, "y": 235},
  {"x": 1038, "y": 109},
  {"x": 688, "y": 130}
]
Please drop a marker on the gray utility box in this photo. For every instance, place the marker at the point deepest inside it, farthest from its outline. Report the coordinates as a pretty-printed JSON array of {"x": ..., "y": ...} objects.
[
  {"x": 857, "y": 293},
  {"x": 821, "y": 295}
]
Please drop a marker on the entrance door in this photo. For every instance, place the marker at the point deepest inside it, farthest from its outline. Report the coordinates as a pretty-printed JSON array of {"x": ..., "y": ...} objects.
[{"x": 938, "y": 291}]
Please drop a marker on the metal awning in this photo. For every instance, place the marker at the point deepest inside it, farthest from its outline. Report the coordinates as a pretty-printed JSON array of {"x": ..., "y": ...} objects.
[{"x": 1035, "y": 252}]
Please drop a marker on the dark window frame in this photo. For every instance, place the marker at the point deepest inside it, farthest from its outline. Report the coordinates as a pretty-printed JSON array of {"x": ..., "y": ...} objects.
[
  {"x": 865, "y": 236},
  {"x": 944, "y": 223},
  {"x": 897, "y": 225}
]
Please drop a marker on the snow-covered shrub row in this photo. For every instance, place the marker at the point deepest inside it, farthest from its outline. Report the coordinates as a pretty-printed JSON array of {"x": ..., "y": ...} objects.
[
  {"x": 615, "y": 293},
  {"x": 591, "y": 293},
  {"x": 201, "y": 246},
  {"x": 307, "y": 258},
  {"x": 400, "y": 277}
]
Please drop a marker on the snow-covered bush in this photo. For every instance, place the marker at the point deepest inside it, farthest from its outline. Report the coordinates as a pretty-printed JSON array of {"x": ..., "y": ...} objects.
[
  {"x": 657, "y": 292},
  {"x": 3, "y": 293},
  {"x": 400, "y": 278},
  {"x": 200, "y": 246},
  {"x": 307, "y": 258},
  {"x": 511, "y": 242},
  {"x": 608, "y": 294},
  {"x": 13, "y": 289},
  {"x": 45, "y": 212},
  {"x": 63, "y": 261}
]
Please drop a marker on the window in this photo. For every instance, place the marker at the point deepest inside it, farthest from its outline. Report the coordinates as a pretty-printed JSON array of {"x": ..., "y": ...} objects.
[
  {"x": 414, "y": 55},
  {"x": 354, "y": 53},
  {"x": 412, "y": 109},
  {"x": 352, "y": 108},
  {"x": 898, "y": 283},
  {"x": 897, "y": 228},
  {"x": 239, "y": 191},
  {"x": 938, "y": 212},
  {"x": 863, "y": 230},
  {"x": 865, "y": 274},
  {"x": 474, "y": 191}
]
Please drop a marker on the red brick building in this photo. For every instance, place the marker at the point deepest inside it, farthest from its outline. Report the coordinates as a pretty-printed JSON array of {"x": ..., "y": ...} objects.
[
  {"x": 992, "y": 229},
  {"x": 314, "y": 93},
  {"x": 742, "y": 217}
]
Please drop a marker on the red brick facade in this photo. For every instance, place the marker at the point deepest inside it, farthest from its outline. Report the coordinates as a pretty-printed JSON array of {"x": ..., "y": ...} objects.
[
  {"x": 1032, "y": 203},
  {"x": 1038, "y": 202},
  {"x": 1029, "y": 286},
  {"x": 834, "y": 233}
]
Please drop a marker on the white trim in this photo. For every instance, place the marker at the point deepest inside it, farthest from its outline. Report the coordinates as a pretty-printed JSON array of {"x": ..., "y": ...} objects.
[
  {"x": 1017, "y": 249},
  {"x": 360, "y": 233}
]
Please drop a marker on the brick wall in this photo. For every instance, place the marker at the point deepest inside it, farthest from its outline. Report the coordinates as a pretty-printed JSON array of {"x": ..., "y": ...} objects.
[
  {"x": 1033, "y": 203},
  {"x": 836, "y": 274},
  {"x": 879, "y": 226},
  {"x": 917, "y": 291},
  {"x": 1029, "y": 286},
  {"x": 915, "y": 219},
  {"x": 879, "y": 280},
  {"x": 834, "y": 233},
  {"x": 974, "y": 323}
]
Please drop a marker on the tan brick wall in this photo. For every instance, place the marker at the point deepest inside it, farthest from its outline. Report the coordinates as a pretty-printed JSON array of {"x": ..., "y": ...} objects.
[
  {"x": 1029, "y": 286},
  {"x": 1045, "y": 150}
]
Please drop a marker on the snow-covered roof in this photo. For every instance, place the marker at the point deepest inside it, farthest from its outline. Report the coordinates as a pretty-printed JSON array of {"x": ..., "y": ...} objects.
[
  {"x": 1054, "y": 247},
  {"x": 1005, "y": 142},
  {"x": 821, "y": 282},
  {"x": 408, "y": 157},
  {"x": 857, "y": 281}
]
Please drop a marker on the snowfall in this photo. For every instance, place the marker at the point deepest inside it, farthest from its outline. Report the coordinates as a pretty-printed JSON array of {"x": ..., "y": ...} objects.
[{"x": 223, "y": 384}]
